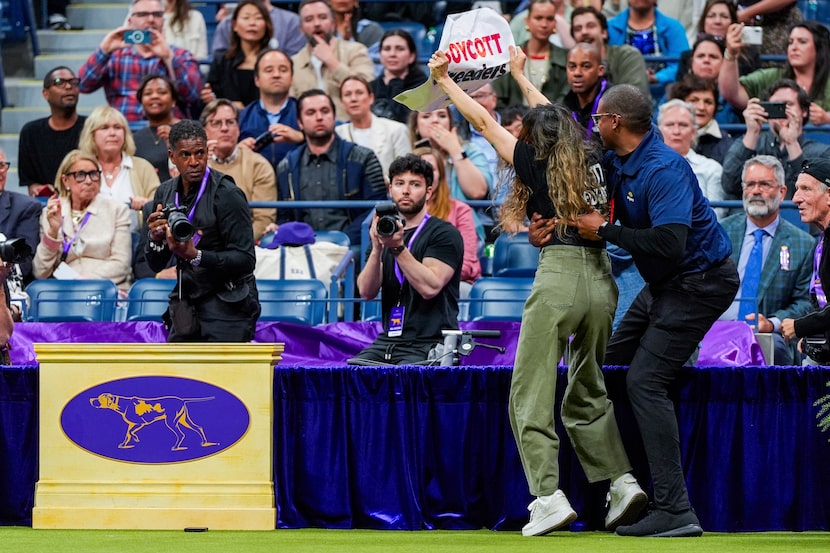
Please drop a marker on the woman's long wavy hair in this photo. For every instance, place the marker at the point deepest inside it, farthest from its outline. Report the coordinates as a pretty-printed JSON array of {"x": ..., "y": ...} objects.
[
  {"x": 441, "y": 202},
  {"x": 560, "y": 141}
]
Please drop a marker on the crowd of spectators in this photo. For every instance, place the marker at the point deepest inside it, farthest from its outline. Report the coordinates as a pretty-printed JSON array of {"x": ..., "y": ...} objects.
[{"x": 295, "y": 107}]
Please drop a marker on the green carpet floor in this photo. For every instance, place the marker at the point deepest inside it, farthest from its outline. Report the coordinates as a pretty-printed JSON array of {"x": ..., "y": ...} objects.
[{"x": 27, "y": 540}]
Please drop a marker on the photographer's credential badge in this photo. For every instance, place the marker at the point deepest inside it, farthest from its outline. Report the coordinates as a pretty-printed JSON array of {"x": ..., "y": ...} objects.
[{"x": 396, "y": 321}]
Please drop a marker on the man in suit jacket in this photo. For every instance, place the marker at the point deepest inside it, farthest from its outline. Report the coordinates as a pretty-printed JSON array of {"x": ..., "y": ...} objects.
[
  {"x": 19, "y": 215},
  {"x": 784, "y": 287}
]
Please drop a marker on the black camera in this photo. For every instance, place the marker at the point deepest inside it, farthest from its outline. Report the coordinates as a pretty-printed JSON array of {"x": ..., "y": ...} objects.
[
  {"x": 15, "y": 250},
  {"x": 180, "y": 226},
  {"x": 263, "y": 140},
  {"x": 388, "y": 218}
]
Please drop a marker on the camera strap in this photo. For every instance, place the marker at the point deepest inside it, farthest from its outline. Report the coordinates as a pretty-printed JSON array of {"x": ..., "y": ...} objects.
[
  {"x": 815, "y": 283},
  {"x": 199, "y": 195},
  {"x": 398, "y": 272},
  {"x": 67, "y": 244}
]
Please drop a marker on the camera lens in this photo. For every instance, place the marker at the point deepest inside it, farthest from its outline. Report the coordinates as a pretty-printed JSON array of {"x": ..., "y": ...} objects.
[
  {"x": 180, "y": 227},
  {"x": 387, "y": 225}
]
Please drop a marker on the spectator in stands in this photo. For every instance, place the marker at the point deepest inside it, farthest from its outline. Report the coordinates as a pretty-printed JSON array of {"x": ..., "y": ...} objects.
[
  {"x": 713, "y": 24},
  {"x": 676, "y": 121},
  {"x": 19, "y": 216},
  {"x": 586, "y": 78},
  {"x": 127, "y": 179},
  {"x": 185, "y": 27},
  {"x": 512, "y": 117},
  {"x": 623, "y": 63},
  {"x": 119, "y": 66},
  {"x": 712, "y": 142},
  {"x": 215, "y": 298},
  {"x": 561, "y": 35},
  {"x": 387, "y": 138},
  {"x": 469, "y": 173},
  {"x": 231, "y": 74},
  {"x": 808, "y": 51},
  {"x": 250, "y": 171},
  {"x": 457, "y": 213},
  {"x": 813, "y": 201},
  {"x": 785, "y": 140},
  {"x": 326, "y": 60},
  {"x": 653, "y": 34},
  {"x": 60, "y": 131},
  {"x": 83, "y": 235},
  {"x": 777, "y": 18},
  {"x": 557, "y": 174},
  {"x": 327, "y": 168},
  {"x": 546, "y": 62},
  {"x": 784, "y": 259},
  {"x": 275, "y": 111},
  {"x": 416, "y": 269},
  {"x": 399, "y": 58},
  {"x": 350, "y": 26},
  {"x": 286, "y": 25},
  {"x": 158, "y": 98}
]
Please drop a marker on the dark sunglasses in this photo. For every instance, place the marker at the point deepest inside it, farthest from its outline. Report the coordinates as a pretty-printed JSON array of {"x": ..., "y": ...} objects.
[{"x": 58, "y": 81}]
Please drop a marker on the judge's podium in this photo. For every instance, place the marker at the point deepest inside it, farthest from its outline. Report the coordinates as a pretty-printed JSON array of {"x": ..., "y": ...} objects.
[{"x": 156, "y": 436}]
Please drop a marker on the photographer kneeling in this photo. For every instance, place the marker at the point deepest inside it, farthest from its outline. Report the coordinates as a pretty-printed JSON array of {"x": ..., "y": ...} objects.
[
  {"x": 414, "y": 260},
  {"x": 812, "y": 197},
  {"x": 215, "y": 298}
]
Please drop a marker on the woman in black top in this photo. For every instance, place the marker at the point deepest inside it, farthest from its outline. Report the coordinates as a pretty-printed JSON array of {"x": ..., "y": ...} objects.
[
  {"x": 558, "y": 175},
  {"x": 399, "y": 58}
]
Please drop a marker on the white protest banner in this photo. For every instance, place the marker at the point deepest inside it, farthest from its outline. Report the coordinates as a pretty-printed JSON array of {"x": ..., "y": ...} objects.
[{"x": 477, "y": 44}]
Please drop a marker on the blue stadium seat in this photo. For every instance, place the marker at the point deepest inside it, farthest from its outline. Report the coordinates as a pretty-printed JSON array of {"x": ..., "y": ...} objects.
[
  {"x": 293, "y": 301},
  {"x": 514, "y": 256},
  {"x": 334, "y": 236},
  {"x": 499, "y": 298},
  {"x": 148, "y": 298},
  {"x": 371, "y": 310},
  {"x": 54, "y": 300}
]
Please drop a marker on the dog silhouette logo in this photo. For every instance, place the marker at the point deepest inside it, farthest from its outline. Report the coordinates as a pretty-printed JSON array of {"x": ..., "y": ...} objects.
[
  {"x": 155, "y": 419},
  {"x": 138, "y": 412}
]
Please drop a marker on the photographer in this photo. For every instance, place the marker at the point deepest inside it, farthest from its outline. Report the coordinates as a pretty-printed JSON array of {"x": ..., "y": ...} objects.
[
  {"x": 812, "y": 196},
  {"x": 215, "y": 298},
  {"x": 414, "y": 260}
]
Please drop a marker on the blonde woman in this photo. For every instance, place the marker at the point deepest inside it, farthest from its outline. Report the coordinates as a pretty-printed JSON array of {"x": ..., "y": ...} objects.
[
  {"x": 126, "y": 179},
  {"x": 82, "y": 234}
]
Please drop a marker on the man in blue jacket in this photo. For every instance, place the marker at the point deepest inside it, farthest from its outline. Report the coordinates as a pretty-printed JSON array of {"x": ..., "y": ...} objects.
[{"x": 327, "y": 168}]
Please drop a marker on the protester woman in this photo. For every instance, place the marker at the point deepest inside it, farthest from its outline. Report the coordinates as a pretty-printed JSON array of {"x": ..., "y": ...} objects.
[{"x": 558, "y": 175}]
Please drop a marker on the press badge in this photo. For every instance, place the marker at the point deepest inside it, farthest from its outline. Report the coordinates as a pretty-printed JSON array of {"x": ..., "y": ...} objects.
[{"x": 395, "y": 321}]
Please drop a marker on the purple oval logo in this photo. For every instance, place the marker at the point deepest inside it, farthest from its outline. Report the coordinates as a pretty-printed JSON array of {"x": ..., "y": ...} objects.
[{"x": 155, "y": 419}]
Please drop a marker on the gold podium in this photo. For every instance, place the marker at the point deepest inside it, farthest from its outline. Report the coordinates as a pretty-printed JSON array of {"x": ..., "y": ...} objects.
[{"x": 156, "y": 436}]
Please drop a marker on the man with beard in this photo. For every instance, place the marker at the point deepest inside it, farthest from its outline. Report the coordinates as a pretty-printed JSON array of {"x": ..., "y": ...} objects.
[
  {"x": 327, "y": 168},
  {"x": 623, "y": 63},
  {"x": 215, "y": 298},
  {"x": 250, "y": 171},
  {"x": 586, "y": 77},
  {"x": 327, "y": 60},
  {"x": 416, "y": 269},
  {"x": 44, "y": 142},
  {"x": 785, "y": 140},
  {"x": 774, "y": 257}
]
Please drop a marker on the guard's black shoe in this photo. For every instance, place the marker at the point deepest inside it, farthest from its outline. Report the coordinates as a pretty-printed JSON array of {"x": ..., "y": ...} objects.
[{"x": 663, "y": 524}]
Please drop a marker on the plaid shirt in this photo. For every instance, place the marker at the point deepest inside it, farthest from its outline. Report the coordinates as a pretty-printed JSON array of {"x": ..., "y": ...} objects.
[{"x": 121, "y": 72}]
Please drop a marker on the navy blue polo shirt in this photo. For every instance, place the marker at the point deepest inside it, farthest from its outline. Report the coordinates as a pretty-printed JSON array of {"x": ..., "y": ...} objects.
[{"x": 656, "y": 186}]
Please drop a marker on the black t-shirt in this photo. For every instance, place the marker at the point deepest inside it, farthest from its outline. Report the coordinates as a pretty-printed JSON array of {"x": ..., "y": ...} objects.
[
  {"x": 533, "y": 173},
  {"x": 41, "y": 150},
  {"x": 425, "y": 319}
]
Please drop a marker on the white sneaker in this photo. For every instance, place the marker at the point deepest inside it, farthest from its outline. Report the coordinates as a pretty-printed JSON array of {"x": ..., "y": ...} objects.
[
  {"x": 625, "y": 500},
  {"x": 548, "y": 513}
]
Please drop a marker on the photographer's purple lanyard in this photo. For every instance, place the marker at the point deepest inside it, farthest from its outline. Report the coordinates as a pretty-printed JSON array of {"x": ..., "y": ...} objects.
[
  {"x": 815, "y": 283},
  {"x": 199, "y": 195},
  {"x": 415, "y": 234},
  {"x": 67, "y": 244},
  {"x": 590, "y": 129}
]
